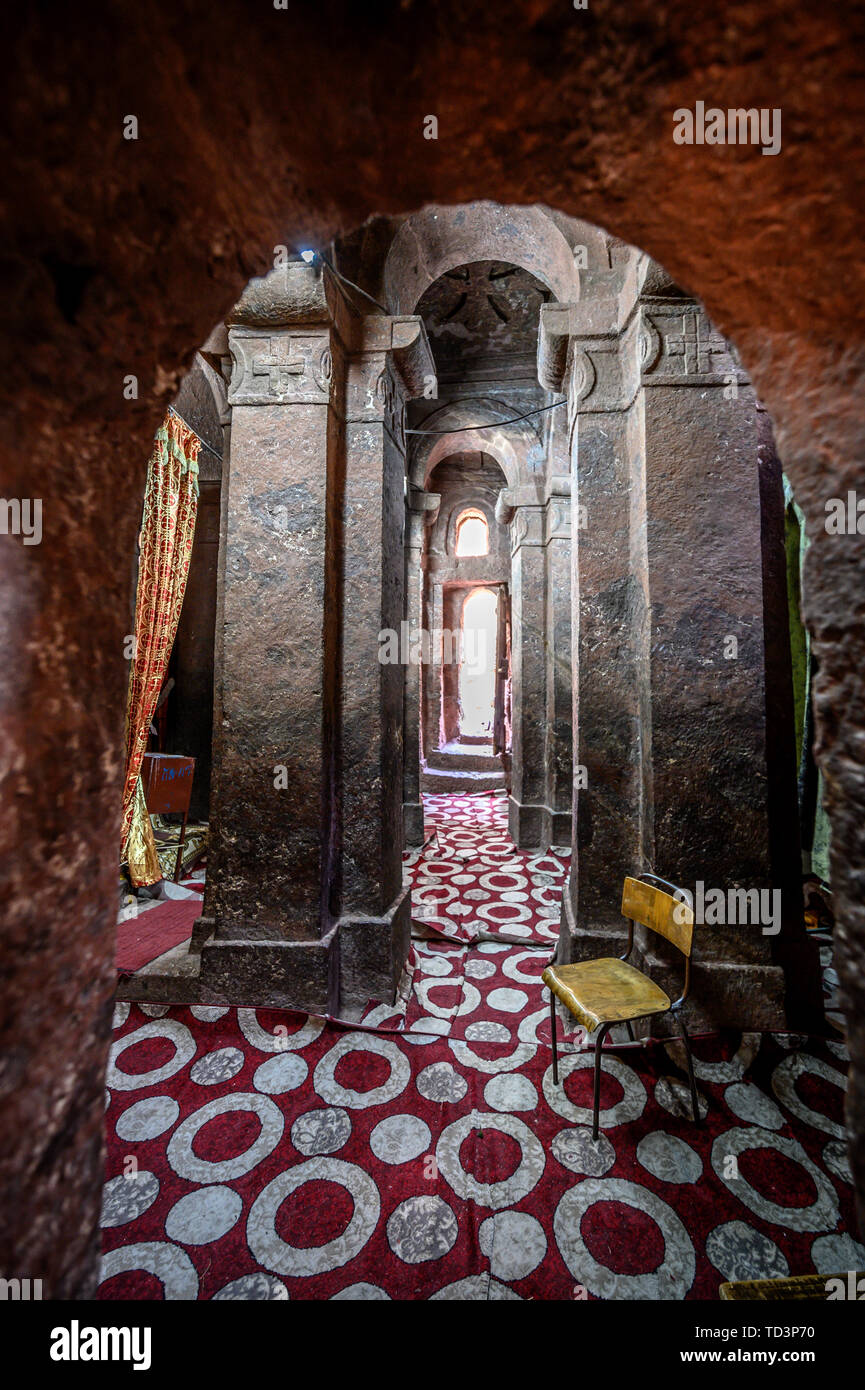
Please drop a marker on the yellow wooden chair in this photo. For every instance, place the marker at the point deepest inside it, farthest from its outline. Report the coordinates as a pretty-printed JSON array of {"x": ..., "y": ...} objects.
[{"x": 602, "y": 992}]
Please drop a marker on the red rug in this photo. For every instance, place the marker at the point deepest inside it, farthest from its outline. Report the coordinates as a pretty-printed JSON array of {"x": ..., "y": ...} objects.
[
  {"x": 142, "y": 938},
  {"x": 431, "y": 1156}
]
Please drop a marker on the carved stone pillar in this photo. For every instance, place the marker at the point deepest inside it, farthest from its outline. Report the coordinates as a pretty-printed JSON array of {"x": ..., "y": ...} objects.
[
  {"x": 389, "y": 363},
  {"x": 539, "y": 809},
  {"x": 715, "y": 765},
  {"x": 270, "y": 824},
  {"x": 558, "y": 759},
  {"x": 584, "y": 351},
  {"x": 525, "y": 510},
  {"x": 304, "y": 896},
  {"x": 433, "y": 674},
  {"x": 421, "y": 510},
  {"x": 672, "y": 601}
]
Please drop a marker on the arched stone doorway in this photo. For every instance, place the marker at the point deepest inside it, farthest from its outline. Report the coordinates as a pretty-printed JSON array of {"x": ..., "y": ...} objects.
[
  {"x": 608, "y": 412},
  {"x": 88, "y": 309},
  {"x": 467, "y": 487}
]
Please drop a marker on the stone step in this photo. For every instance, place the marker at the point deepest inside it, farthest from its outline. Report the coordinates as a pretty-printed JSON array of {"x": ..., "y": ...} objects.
[
  {"x": 445, "y": 780},
  {"x": 463, "y": 762},
  {"x": 454, "y": 757}
]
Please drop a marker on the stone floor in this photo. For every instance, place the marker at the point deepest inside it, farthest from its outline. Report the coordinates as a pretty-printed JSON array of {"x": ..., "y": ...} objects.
[{"x": 427, "y": 1153}]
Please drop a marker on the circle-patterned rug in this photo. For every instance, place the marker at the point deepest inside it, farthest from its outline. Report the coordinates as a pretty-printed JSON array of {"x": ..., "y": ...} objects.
[{"x": 427, "y": 1153}]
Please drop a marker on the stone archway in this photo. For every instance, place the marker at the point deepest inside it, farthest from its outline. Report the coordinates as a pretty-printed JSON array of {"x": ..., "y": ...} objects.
[
  {"x": 512, "y": 446},
  {"x": 437, "y": 239},
  {"x": 119, "y": 255},
  {"x": 461, "y": 483}
]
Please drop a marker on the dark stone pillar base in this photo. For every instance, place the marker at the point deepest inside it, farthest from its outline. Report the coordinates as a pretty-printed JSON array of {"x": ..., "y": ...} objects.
[
  {"x": 605, "y": 939},
  {"x": 537, "y": 827},
  {"x": 734, "y": 994},
  {"x": 412, "y": 821},
  {"x": 300, "y": 975},
  {"x": 202, "y": 930},
  {"x": 372, "y": 952},
  {"x": 360, "y": 959},
  {"x": 559, "y": 827},
  {"x": 525, "y": 825},
  {"x": 800, "y": 961},
  {"x": 174, "y": 988}
]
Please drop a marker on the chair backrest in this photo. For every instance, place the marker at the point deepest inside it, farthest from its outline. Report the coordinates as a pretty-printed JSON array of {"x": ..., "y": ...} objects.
[
  {"x": 660, "y": 912},
  {"x": 167, "y": 781}
]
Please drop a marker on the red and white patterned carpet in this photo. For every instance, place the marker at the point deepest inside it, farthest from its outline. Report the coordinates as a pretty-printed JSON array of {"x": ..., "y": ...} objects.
[{"x": 426, "y": 1153}]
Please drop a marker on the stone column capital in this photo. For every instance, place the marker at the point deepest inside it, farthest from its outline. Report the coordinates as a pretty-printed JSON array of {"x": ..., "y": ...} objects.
[
  {"x": 557, "y": 518},
  {"x": 421, "y": 508},
  {"x": 584, "y": 353},
  {"x": 678, "y": 346},
  {"x": 559, "y": 485},
  {"x": 388, "y": 361},
  {"x": 280, "y": 365},
  {"x": 536, "y": 520},
  {"x": 554, "y": 340},
  {"x": 404, "y": 338},
  {"x": 426, "y": 504},
  {"x": 560, "y": 324},
  {"x": 291, "y": 294},
  {"x": 527, "y": 525},
  {"x": 505, "y": 506}
]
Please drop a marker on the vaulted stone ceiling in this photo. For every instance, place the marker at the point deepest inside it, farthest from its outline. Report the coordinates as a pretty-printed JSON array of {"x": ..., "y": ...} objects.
[
  {"x": 482, "y": 320},
  {"x": 473, "y": 475}
]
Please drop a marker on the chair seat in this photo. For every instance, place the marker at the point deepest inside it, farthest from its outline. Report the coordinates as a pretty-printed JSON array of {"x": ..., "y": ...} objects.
[{"x": 605, "y": 991}]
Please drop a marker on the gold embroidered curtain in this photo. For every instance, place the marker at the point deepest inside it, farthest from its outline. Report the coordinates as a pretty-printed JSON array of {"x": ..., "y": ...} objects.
[{"x": 167, "y": 532}]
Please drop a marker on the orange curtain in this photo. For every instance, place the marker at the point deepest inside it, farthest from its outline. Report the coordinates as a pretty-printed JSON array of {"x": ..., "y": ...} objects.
[{"x": 167, "y": 532}]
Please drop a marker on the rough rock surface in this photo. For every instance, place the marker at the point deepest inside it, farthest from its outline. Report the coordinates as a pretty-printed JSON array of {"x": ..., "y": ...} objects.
[{"x": 259, "y": 127}]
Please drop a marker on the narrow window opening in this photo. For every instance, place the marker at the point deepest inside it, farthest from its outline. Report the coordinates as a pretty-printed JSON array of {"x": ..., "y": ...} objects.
[{"x": 473, "y": 534}]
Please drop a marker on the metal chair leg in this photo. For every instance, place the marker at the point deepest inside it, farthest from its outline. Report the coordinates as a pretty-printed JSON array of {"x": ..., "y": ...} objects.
[
  {"x": 694, "y": 1101},
  {"x": 602, "y": 1033},
  {"x": 553, "y": 1026}
]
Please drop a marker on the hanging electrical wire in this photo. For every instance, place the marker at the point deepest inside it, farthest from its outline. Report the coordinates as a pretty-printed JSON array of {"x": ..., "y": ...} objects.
[
  {"x": 492, "y": 424},
  {"x": 345, "y": 281}
]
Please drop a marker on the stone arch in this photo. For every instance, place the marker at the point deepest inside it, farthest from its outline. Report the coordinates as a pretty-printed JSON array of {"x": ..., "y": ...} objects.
[
  {"x": 438, "y": 239},
  {"x": 514, "y": 448},
  {"x": 474, "y": 487},
  {"x": 462, "y": 504},
  {"x": 317, "y": 163}
]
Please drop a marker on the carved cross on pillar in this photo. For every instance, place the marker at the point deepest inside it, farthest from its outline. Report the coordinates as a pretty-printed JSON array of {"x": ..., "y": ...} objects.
[
  {"x": 278, "y": 367},
  {"x": 693, "y": 347}
]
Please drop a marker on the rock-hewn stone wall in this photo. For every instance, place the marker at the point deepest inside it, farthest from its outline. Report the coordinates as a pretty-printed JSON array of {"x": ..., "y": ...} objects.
[{"x": 262, "y": 127}]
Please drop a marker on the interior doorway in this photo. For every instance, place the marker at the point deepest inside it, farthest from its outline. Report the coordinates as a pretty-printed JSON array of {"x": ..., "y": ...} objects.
[
  {"x": 478, "y": 665},
  {"x": 484, "y": 671}
]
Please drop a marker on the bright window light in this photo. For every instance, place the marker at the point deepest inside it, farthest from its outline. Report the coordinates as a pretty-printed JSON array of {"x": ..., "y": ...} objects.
[
  {"x": 477, "y": 678},
  {"x": 473, "y": 534}
]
